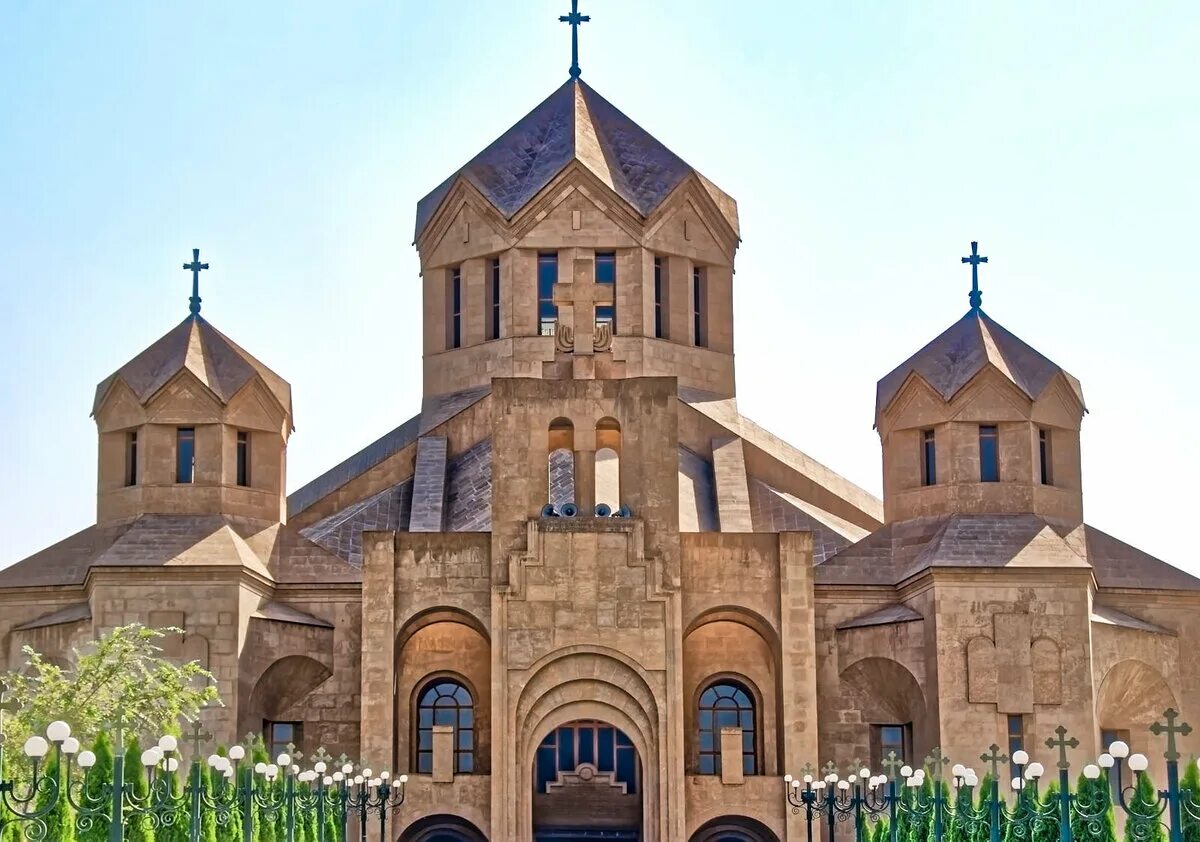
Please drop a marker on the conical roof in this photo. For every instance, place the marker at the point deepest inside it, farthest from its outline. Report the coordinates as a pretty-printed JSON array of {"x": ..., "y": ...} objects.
[
  {"x": 195, "y": 345},
  {"x": 976, "y": 340},
  {"x": 574, "y": 124}
]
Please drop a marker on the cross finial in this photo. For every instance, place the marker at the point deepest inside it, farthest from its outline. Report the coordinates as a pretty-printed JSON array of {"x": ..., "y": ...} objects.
[
  {"x": 829, "y": 768},
  {"x": 575, "y": 19},
  {"x": 198, "y": 736},
  {"x": 294, "y": 752},
  {"x": 195, "y": 267},
  {"x": 892, "y": 763},
  {"x": 1062, "y": 744},
  {"x": 975, "y": 259},
  {"x": 854, "y": 766},
  {"x": 118, "y": 722},
  {"x": 1171, "y": 729},
  {"x": 808, "y": 771},
  {"x": 937, "y": 762},
  {"x": 994, "y": 758}
]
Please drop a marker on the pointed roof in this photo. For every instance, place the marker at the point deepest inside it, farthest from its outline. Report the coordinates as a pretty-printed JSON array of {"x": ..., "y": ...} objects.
[
  {"x": 574, "y": 124},
  {"x": 976, "y": 340},
  {"x": 195, "y": 345}
]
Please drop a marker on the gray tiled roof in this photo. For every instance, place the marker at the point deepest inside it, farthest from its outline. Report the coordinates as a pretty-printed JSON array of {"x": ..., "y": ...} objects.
[
  {"x": 341, "y": 532},
  {"x": 70, "y": 614},
  {"x": 771, "y": 511},
  {"x": 195, "y": 345},
  {"x": 950, "y": 361},
  {"x": 469, "y": 490},
  {"x": 574, "y": 123},
  {"x": 1108, "y": 616},
  {"x": 283, "y": 613},
  {"x": 1120, "y": 565},
  {"x": 886, "y": 616}
]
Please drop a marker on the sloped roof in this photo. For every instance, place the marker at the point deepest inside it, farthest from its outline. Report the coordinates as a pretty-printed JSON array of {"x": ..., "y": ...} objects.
[
  {"x": 1120, "y": 565},
  {"x": 283, "y": 613},
  {"x": 574, "y": 124},
  {"x": 1108, "y": 616},
  {"x": 74, "y": 613},
  {"x": 773, "y": 510},
  {"x": 195, "y": 345},
  {"x": 181, "y": 540},
  {"x": 886, "y": 616},
  {"x": 950, "y": 361}
]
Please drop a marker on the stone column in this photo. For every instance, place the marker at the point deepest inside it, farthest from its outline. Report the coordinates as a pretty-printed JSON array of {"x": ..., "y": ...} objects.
[
  {"x": 585, "y": 470},
  {"x": 797, "y": 660},
  {"x": 377, "y": 739}
]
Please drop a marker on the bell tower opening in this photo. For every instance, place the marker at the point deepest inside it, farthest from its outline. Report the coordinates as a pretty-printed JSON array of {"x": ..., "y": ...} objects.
[{"x": 587, "y": 784}]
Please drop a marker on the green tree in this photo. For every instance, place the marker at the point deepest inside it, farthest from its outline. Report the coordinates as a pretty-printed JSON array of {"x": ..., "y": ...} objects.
[
  {"x": 208, "y": 818},
  {"x": 1092, "y": 814},
  {"x": 138, "y": 828},
  {"x": 1189, "y": 790},
  {"x": 94, "y": 794},
  {"x": 1144, "y": 803},
  {"x": 122, "y": 669},
  {"x": 60, "y": 820}
]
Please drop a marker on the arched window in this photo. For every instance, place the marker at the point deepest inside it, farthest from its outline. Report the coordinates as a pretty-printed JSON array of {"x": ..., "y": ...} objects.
[
  {"x": 608, "y": 462},
  {"x": 445, "y": 701},
  {"x": 560, "y": 479},
  {"x": 726, "y": 704}
]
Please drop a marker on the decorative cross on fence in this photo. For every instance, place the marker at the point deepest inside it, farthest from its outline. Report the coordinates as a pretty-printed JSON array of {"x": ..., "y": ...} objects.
[
  {"x": 1062, "y": 744},
  {"x": 294, "y": 752},
  {"x": 829, "y": 768},
  {"x": 117, "y": 723},
  {"x": 807, "y": 772},
  {"x": 854, "y": 766},
  {"x": 994, "y": 758},
  {"x": 198, "y": 736},
  {"x": 1171, "y": 729},
  {"x": 322, "y": 756},
  {"x": 892, "y": 763},
  {"x": 937, "y": 762}
]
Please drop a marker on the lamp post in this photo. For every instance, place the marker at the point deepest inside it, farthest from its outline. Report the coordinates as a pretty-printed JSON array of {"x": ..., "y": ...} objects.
[{"x": 379, "y": 795}]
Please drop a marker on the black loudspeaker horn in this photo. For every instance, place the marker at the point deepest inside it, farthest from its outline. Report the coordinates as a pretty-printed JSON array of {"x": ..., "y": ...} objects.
[
  {"x": 548, "y": 510},
  {"x": 603, "y": 510},
  {"x": 568, "y": 510}
]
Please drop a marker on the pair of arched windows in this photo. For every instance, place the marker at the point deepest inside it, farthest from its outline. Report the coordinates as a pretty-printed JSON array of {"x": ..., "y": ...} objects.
[
  {"x": 561, "y": 480},
  {"x": 448, "y": 702},
  {"x": 726, "y": 704}
]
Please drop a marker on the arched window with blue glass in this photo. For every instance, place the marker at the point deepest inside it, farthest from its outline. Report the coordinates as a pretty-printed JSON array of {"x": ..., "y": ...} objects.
[
  {"x": 726, "y": 703},
  {"x": 446, "y": 701}
]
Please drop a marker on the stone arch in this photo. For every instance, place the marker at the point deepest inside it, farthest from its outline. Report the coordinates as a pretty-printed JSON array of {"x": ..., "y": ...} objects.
[
  {"x": 734, "y": 642},
  {"x": 734, "y": 829},
  {"x": 608, "y": 462},
  {"x": 882, "y": 691},
  {"x": 442, "y": 642},
  {"x": 560, "y": 463},
  {"x": 583, "y": 682},
  {"x": 442, "y": 827},
  {"x": 281, "y": 690},
  {"x": 1132, "y": 695}
]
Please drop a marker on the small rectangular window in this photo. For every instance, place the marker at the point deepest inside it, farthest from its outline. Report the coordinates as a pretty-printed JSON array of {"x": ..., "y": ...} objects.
[
  {"x": 454, "y": 302},
  {"x": 185, "y": 454},
  {"x": 699, "y": 316},
  {"x": 1108, "y": 736},
  {"x": 281, "y": 737},
  {"x": 131, "y": 462},
  {"x": 547, "y": 275},
  {"x": 1016, "y": 737},
  {"x": 660, "y": 300},
  {"x": 243, "y": 458},
  {"x": 928, "y": 458},
  {"x": 989, "y": 454},
  {"x": 606, "y": 273},
  {"x": 888, "y": 739},
  {"x": 1044, "y": 456},
  {"x": 494, "y": 300}
]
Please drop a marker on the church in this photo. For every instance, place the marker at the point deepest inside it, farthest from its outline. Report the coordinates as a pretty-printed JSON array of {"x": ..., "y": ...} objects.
[{"x": 578, "y": 595}]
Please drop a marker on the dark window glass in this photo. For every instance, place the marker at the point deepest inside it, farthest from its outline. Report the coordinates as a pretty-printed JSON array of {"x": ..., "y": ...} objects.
[
  {"x": 606, "y": 267},
  {"x": 726, "y": 704},
  {"x": 185, "y": 454},
  {"x": 131, "y": 465},
  {"x": 659, "y": 314},
  {"x": 1044, "y": 455},
  {"x": 446, "y": 702},
  {"x": 597, "y": 743},
  {"x": 547, "y": 273},
  {"x": 888, "y": 739},
  {"x": 1108, "y": 736},
  {"x": 1016, "y": 737},
  {"x": 281, "y": 737},
  {"x": 606, "y": 752},
  {"x": 456, "y": 307},
  {"x": 989, "y": 454},
  {"x": 243, "y": 458},
  {"x": 495, "y": 313},
  {"x": 928, "y": 458},
  {"x": 699, "y": 327}
]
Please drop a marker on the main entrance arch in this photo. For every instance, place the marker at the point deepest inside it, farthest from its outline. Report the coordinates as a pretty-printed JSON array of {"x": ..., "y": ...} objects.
[{"x": 587, "y": 785}]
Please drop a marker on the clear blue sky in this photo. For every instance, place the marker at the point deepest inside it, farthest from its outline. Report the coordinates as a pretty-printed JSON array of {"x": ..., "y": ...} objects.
[{"x": 866, "y": 142}]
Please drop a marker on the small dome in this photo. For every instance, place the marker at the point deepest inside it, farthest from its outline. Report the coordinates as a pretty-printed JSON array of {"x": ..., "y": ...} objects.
[
  {"x": 215, "y": 360},
  {"x": 950, "y": 361}
]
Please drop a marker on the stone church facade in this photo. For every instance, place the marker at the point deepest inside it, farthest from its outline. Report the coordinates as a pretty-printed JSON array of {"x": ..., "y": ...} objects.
[{"x": 578, "y": 591}]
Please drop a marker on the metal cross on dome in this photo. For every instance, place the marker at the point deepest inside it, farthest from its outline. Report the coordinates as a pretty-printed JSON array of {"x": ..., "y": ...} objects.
[
  {"x": 975, "y": 258},
  {"x": 575, "y": 19},
  {"x": 195, "y": 268}
]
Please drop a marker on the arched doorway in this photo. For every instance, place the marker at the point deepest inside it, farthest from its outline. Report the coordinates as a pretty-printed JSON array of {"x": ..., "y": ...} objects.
[
  {"x": 443, "y": 828},
  {"x": 734, "y": 829},
  {"x": 587, "y": 784}
]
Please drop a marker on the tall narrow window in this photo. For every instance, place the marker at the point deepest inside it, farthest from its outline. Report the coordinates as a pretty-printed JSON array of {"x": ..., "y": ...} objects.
[
  {"x": 279, "y": 735},
  {"x": 446, "y": 702},
  {"x": 454, "y": 309},
  {"x": 494, "y": 300},
  {"x": 660, "y": 300},
  {"x": 726, "y": 704},
  {"x": 185, "y": 454},
  {"x": 890, "y": 739},
  {"x": 1044, "y": 456},
  {"x": 547, "y": 274},
  {"x": 606, "y": 273},
  {"x": 243, "y": 458},
  {"x": 928, "y": 458},
  {"x": 989, "y": 454},
  {"x": 1016, "y": 737},
  {"x": 131, "y": 465},
  {"x": 1108, "y": 736},
  {"x": 699, "y": 316}
]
